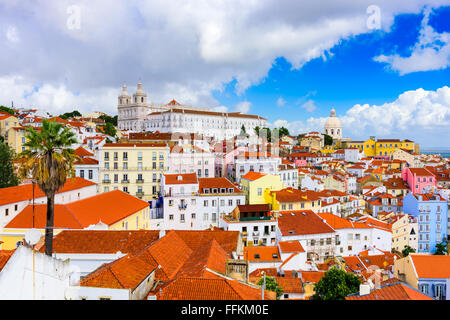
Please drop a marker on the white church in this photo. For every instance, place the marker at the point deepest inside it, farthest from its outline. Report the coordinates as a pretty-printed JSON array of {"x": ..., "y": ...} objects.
[{"x": 137, "y": 115}]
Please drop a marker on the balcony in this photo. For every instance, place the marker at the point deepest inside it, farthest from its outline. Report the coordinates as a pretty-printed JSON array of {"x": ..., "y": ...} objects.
[
  {"x": 182, "y": 206},
  {"x": 255, "y": 233},
  {"x": 139, "y": 180},
  {"x": 106, "y": 181},
  {"x": 140, "y": 193},
  {"x": 255, "y": 218},
  {"x": 125, "y": 181}
]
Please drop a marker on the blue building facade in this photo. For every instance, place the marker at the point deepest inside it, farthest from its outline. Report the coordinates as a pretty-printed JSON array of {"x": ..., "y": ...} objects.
[{"x": 431, "y": 211}]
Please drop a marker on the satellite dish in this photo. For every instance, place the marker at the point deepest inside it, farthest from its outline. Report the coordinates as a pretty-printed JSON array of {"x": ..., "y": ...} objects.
[{"x": 32, "y": 236}]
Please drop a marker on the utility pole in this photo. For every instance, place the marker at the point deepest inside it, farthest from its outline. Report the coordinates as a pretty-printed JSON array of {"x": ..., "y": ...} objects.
[{"x": 263, "y": 287}]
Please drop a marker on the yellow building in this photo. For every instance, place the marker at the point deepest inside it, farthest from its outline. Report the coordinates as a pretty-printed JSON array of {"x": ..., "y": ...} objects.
[
  {"x": 135, "y": 168},
  {"x": 404, "y": 233},
  {"x": 7, "y": 122},
  {"x": 16, "y": 139},
  {"x": 381, "y": 147},
  {"x": 254, "y": 185},
  {"x": 292, "y": 199},
  {"x": 113, "y": 210}
]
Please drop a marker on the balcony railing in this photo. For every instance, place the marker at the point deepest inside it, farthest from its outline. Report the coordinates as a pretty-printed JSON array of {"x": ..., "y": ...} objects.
[
  {"x": 254, "y": 218},
  {"x": 106, "y": 181},
  {"x": 182, "y": 206},
  {"x": 140, "y": 193},
  {"x": 125, "y": 181},
  {"x": 139, "y": 180}
]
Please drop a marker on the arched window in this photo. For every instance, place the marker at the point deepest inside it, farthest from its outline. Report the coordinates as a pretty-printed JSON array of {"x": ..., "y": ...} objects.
[{"x": 142, "y": 99}]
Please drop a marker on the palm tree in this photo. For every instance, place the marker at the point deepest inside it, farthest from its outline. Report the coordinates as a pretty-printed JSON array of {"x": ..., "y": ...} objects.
[{"x": 49, "y": 159}]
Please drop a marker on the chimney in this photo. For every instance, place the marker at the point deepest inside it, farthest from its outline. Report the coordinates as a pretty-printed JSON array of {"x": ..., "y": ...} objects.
[
  {"x": 364, "y": 289},
  {"x": 162, "y": 233}
]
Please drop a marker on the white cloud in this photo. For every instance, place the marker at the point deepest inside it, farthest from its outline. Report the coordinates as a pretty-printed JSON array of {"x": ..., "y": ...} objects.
[
  {"x": 431, "y": 52},
  {"x": 420, "y": 115},
  {"x": 281, "y": 102},
  {"x": 12, "y": 35},
  {"x": 243, "y": 107},
  {"x": 182, "y": 50},
  {"x": 220, "y": 109},
  {"x": 309, "y": 106}
]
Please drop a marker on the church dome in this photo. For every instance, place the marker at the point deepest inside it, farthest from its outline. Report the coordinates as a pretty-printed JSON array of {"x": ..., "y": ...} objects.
[
  {"x": 333, "y": 126},
  {"x": 333, "y": 121}
]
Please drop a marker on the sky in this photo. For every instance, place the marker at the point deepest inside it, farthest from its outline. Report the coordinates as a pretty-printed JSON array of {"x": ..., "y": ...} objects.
[{"x": 383, "y": 65}]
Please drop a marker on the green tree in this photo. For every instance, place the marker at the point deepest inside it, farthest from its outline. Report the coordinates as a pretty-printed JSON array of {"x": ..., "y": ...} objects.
[
  {"x": 441, "y": 248},
  {"x": 7, "y": 110},
  {"x": 271, "y": 285},
  {"x": 109, "y": 119},
  {"x": 49, "y": 159},
  {"x": 109, "y": 129},
  {"x": 72, "y": 114},
  {"x": 328, "y": 140},
  {"x": 283, "y": 132},
  {"x": 336, "y": 284},
  {"x": 257, "y": 128},
  {"x": 407, "y": 250},
  {"x": 8, "y": 177}
]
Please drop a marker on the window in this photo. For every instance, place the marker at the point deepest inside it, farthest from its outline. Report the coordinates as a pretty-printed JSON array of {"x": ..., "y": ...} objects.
[
  {"x": 6, "y": 212},
  {"x": 90, "y": 174},
  {"x": 230, "y": 202},
  {"x": 140, "y": 155},
  {"x": 182, "y": 217},
  {"x": 259, "y": 191},
  {"x": 106, "y": 156},
  {"x": 205, "y": 203},
  {"x": 170, "y": 216},
  {"x": 82, "y": 174},
  {"x": 125, "y": 156}
]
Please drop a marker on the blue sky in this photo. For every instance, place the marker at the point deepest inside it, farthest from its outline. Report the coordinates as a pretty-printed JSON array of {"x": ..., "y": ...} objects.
[
  {"x": 288, "y": 60},
  {"x": 350, "y": 76}
]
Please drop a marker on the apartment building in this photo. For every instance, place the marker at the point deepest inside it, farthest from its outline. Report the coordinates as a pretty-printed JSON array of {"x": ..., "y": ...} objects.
[{"x": 133, "y": 168}]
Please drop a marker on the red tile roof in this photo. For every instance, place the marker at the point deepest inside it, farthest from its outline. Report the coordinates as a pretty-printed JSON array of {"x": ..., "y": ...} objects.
[
  {"x": 312, "y": 276},
  {"x": 103, "y": 241},
  {"x": 25, "y": 191},
  {"x": 431, "y": 266},
  {"x": 290, "y": 246},
  {"x": 181, "y": 178},
  {"x": 301, "y": 222},
  {"x": 394, "y": 291},
  {"x": 108, "y": 208},
  {"x": 125, "y": 273},
  {"x": 290, "y": 285},
  {"x": 82, "y": 152},
  {"x": 262, "y": 254},
  {"x": 210, "y": 289},
  {"x": 5, "y": 255},
  {"x": 252, "y": 176}
]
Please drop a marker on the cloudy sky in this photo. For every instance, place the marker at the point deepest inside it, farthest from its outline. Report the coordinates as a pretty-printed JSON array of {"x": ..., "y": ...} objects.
[{"x": 383, "y": 65}]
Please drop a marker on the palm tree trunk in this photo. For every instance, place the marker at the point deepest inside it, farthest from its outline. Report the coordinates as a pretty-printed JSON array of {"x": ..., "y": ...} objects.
[{"x": 49, "y": 225}]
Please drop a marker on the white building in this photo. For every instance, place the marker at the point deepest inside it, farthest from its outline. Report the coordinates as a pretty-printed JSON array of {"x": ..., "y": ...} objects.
[
  {"x": 14, "y": 199},
  {"x": 333, "y": 126},
  {"x": 219, "y": 125},
  {"x": 34, "y": 276},
  {"x": 191, "y": 159},
  {"x": 289, "y": 175},
  {"x": 254, "y": 222},
  {"x": 136, "y": 114},
  {"x": 192, "y": 203},
  {"x": 253, "y": 161}
]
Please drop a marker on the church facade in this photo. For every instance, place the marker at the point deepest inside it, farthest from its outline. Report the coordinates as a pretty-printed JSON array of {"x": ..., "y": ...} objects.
[{"x": 136, "y": 115}]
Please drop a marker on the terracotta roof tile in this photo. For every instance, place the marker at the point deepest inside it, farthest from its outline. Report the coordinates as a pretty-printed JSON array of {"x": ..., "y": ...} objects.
[
  {"x": 302, "y": 222},
  {"x": 394, "y": 291},
  {"x": 262, "y": 254},
  {"x": 103, "y": 241},
  {"x": 25, "y": 191},
  {"x": 109, "y": 208},
  {"x": 431, "y": 266},
  {"x": 290, "y": 246},
  {"x": 181, "y": 178},
  {"x": 217, "y": 183},
  {"x": 5, "y": 255},
  {"x": 252, "y": 176}
]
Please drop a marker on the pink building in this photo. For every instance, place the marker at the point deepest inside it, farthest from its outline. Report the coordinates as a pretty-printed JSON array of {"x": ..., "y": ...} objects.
[{"x": 420, "y": 180}]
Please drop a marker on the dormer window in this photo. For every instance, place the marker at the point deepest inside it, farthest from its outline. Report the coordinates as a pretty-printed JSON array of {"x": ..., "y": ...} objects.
[
  {"x": 257, "y": 256},
  {"x": 223, "y": 190},
  {"x": 206, "y": 190},
  {"x": 214, "y": 190},
  {"x": 230, "y": 190}
]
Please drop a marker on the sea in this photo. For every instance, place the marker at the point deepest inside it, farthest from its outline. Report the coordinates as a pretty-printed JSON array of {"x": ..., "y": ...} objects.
[{"x": 444, "y": 152}]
